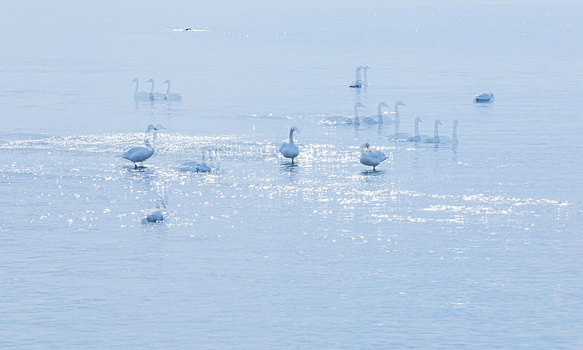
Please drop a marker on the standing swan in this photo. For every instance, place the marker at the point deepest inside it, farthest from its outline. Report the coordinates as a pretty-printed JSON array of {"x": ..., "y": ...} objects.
[
  {"x": 290, "y": 150},
  {"x": 152, "y": 96},
  {"x": 371, "y": 157},
  {"x": 139, "y": 96},
  {"x": 435, "y": 138},
  {"x": 171, "y": 96},
  {"x": 357, "y": 82},
  {"x": 140, "y": 154}
]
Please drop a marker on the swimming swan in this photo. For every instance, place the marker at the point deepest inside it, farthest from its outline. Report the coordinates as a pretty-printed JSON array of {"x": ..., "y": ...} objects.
[
  {"x": 484, "y": 98},
  {"x": 371, "y": 157},
  {"x": 139, "y": 96},
  {"x": 357, "y": 82},
  {"x": 290, "y": 150},
  {"x": 399, "y": 136},
  {"x": 379, "y": 119},
  {"x": 171, "y": 96},
  {"x": 417, "y": 137},
  {"x": 152, "y": 96},
  {"x": 435, "y": 138}
]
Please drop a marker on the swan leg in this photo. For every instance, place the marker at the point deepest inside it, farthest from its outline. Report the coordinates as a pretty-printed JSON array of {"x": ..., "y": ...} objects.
[
  {"x": 135, "y": 166},
  {"x": 292, "y": 160},
  {"x": 374, "y": 168}
]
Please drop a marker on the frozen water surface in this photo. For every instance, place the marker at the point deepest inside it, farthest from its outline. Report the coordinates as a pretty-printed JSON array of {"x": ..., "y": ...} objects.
[{"x": 470, "y": 246}]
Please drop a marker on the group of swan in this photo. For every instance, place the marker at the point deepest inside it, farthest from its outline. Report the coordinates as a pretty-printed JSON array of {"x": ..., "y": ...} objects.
[
  {"x": 436, "y": 139},
  {"x": 358, "y": 82},
  {"x": 357, "y": 120},
  {"x": 143, "y": 96},
  {"x": 368, "y": 156}
]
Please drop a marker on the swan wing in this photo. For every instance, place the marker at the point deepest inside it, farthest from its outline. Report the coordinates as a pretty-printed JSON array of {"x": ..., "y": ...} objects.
[{"x": 138, "y": 154}]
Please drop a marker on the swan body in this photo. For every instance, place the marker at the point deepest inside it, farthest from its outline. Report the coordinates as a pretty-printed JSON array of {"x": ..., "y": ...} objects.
[
  {"x": 290, "y": 150},
  {"x": 357, "y": 81},
  {"x": 342, "y": 120},
  {"x": 139, "y": 154},
  {"x": 153, "y": 96},
  {"x": 171, "y": 96},
  {"x": 139, "y": 96},
  {"x": 156, "y": 216},
  {"x": 417, "y": 137},
  {"x": 371, "y": 157},
  {"x": 453, "y": 140},
  {"x": 435, "y": 138},
  {"x": 398, "y": 135},
  {"x": 199, "y": 167},
  {"x": 484, "y": 98}
]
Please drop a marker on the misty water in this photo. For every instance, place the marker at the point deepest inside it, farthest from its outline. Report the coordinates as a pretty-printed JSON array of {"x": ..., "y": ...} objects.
[{"x": 468, "y": 245}]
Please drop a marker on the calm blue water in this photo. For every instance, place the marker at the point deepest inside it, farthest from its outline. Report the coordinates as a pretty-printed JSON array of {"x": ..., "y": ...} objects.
[{"x": 474, "y": 246}]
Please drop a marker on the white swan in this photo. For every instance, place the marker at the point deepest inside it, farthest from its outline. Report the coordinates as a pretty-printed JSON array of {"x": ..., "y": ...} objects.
[
  {"x": 417, "y": 137},
  {"x": 345, "y": 120},
  {"x": 139, "y": 96},
  {"x": 357, "y": 81},
  {"x": 371, "y": 157},
  {"x": 171, "y": 96},
  {"x": 435, "y": 138},
  {"x": 364, "y": 76},
  {"x": 453, "y": 140},
  {"x": 199, "y": 167},
  {"x": 290, "y": 150},
  {"x": 140, "y": 154},
  {"x": 484, "y": 98},
  {"x": 379, "y": 119},
  {"x": 153, "y": 96},
  {"x": 398, "y": 136}
]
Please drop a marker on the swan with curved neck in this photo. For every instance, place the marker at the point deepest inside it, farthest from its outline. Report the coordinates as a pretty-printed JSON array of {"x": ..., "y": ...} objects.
[
  {"x": 399, "y": 136},
  {"x": 365, "y": 77},
  {"x": 417, "y": 137},
  {"x": 357, "y": 81},
  {"x": 435, "y": 138},
  {"x": 152, "y": 96},
  {"x": 139, "y": 96},
  {"x": 140, "y": 154},
  {"x": 171, "y": 96},
  {"x": 379, "y": 118},
  {"x": 371, "y": 157},
  {"x": 290, "y": 150}
]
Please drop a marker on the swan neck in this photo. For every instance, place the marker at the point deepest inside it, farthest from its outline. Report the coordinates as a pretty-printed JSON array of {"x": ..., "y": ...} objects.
[
  {"x": 136, "y": 89},
  {"x": 291, "y": 136},
  {"x": 365, "y": 78},
  {"x": 152, "y": 88},
  {"x": 436, "y": 131},
  {"x": 168, "y": 88},
  {"x": 417, "y": 128},
  {"x": 380, "y": 114},
  {"x": 454, "y": 133}
]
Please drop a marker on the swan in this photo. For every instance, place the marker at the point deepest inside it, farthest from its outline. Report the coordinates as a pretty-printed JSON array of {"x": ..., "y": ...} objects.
[
  {"x": 155, "y": 216},
  {"x": 140, "y": 154},
  {"x": 357, "y": 83},
  {"x": 201, "y": 167},
  {"x": 379, "y": 119},
  {"x": 484, "y": 98},
  {"x": 171, "y": 96},
  {"x": 139, "y": 96},
  {"x": 417, "y": 137},
  {"x": 152, "y": 96},
  {"x": 371, "y": 157},
  {"x": 290, "y": 150},
  {"x": 435, "y": 138},
  {"x": 365, "y": 78},
  {"x": 398, "y": 136},
  {"x": 453, "y": 140}
]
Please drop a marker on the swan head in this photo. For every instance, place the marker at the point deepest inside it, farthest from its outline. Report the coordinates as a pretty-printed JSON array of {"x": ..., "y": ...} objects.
[
  {"x": 150, "y": 80},
  {"x": 365, "y": 67},
  {"x": 358, "y": 104},
  {"x": 155, "y": 128},
  {"x": 383, "y": 104},
  {"x": 400, "y": 103},
  {"x": 166, "y": 81},
  {"x": 418, "y": 120},
  {"x": 135, "y": 80},
  {"x": 294, "y": 129},
  {"x": 455, "y": 123},
  {"x": 437, "y": 122}
]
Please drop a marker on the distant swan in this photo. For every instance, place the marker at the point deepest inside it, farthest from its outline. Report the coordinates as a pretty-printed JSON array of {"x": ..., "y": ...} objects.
[
  {"x": 435, "y": 138},
  {"x": 398, "y": 136},
  {"x": 365, "y": 77},
  {"x": 152, "y": 96},
  {"x": 139, "y": 96},
  {"x": 290, "y": 150},
  {"x": 371, "y": 157},
  {"x": 453, "y": 140},
  {"x": 345, "y": 120},
  {"x": 379, "y": 119},
  {"x": 484, "y": 98},
  {"x": 417, "y": 137},
  {"x": 171, "y": 96},
  {"x": 199, "y": 167},
  {"x": 357, "y": 81},
  {"x": 140, "y": 154}
]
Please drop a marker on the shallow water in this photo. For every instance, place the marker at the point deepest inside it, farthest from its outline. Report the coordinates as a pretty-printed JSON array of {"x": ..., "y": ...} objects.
[{"x": 472, "y": 246}]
